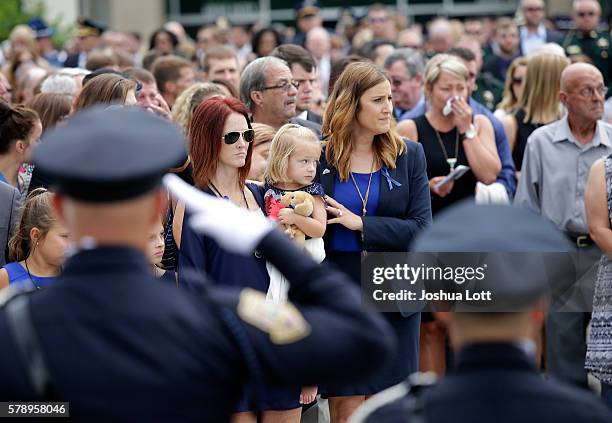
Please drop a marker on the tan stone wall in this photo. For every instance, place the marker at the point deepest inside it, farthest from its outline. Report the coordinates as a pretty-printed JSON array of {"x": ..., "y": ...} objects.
[{"x": 143, "y": 16}]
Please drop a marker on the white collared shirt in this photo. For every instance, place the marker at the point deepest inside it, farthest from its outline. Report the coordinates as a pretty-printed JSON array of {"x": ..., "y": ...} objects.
[{"x": 532, "y": 41}]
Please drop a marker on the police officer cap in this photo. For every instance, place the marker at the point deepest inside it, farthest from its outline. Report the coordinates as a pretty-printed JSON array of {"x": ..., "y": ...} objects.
[
  {"x": 306, "y": 8},
  {"x": 86, "y": 27},
  {"x": 40, "y": 27},
  {"x": 109, "y": 154},
  {"x": 515, "y": 280}
]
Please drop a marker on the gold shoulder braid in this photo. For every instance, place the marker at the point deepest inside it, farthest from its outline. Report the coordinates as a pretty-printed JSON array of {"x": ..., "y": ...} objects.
[{"x": 282, "y": 321}]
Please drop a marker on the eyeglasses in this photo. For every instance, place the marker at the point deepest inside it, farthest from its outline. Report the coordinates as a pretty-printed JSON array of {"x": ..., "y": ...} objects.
[
  {"x": 284, "y": 85},
  {"x": 517, "y": 80},
  {"x": 534, "y": 9},
  {"x": 233, "y": 137},
  {"x": 585, "y": 14},
  {"x": 590, "y": 92}
]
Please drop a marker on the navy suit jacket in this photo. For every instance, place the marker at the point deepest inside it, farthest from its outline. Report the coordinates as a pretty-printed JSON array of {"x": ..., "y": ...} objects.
[
  {"x": 499, "y": 383},
  {"x": 402, "y": 210}
]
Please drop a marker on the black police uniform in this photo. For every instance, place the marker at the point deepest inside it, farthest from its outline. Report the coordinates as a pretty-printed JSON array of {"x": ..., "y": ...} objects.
[
  {"x": 492, "y": 381},
  {"x": 120, "y": 345}
]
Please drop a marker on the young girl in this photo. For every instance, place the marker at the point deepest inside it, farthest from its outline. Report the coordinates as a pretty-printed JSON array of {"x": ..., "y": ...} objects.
[
  {"x": 37, "y": 250},
  {"x": 292, "y": 166},
  {"x": 156, "y": 253}
]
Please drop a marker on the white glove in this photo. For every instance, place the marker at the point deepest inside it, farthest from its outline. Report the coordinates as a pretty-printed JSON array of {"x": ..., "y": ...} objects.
[{"x": 233, "y": 228}]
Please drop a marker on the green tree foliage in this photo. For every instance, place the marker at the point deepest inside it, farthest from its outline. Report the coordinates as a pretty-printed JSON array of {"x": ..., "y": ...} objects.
[{"x": 12, "y": 14}]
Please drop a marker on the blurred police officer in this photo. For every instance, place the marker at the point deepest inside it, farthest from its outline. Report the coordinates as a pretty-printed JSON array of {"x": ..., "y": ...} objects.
[
  {"x": 587, "y": 40},
  {"x": 119, "y": 344},
  {"x": 495, "y": 378}
]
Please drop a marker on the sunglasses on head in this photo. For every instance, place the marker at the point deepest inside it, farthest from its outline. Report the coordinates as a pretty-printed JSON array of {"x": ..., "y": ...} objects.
[{"x": 233, "y": 137}]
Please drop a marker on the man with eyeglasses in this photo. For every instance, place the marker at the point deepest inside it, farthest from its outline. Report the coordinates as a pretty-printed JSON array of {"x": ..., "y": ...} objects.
[
  {"x": 405, "y": 69},
  {"x": 587, "y": 40},
  {"x": 534, "y": 34},
  {"x": 269, "y": 91},
  {"x": 304, "y": 73},
  {"x": 554, "y": 175}
]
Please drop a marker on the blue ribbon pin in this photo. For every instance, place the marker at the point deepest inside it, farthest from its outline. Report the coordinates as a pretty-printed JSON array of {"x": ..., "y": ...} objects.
[{"x": 390, "y": 181}]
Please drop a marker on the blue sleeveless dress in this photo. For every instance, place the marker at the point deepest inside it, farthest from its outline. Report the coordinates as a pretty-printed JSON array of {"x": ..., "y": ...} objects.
[{"x": 19, "y": 277}]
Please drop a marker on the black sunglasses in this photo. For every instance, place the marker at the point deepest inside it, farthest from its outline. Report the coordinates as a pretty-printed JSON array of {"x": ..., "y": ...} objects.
[
  {"x": 585, "y": 14},
  {"x": 233, "y": 137},
  {"x": 517, "y": 80}
]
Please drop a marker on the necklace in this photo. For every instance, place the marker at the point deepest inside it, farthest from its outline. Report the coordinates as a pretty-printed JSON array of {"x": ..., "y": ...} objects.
[
  {"x": 452, "y": 161},
  {"x": 30, "y": 275},
  {"x": 226, "y": 197},
  {"x": 364, "y": 200}
]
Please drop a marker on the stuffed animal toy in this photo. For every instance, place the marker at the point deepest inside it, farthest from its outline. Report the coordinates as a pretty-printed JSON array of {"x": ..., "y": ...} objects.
[{"x": 302, "y": 204}]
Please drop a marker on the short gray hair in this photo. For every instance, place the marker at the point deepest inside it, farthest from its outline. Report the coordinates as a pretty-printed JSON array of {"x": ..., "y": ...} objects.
[
  {"x": 413, "y": 59},
  {"x": 58, "y": 83},
  {"x": 253, "y": 77}
]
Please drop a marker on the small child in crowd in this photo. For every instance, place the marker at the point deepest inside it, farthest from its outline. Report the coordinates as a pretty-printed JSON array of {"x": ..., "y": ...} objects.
[
  {"x": 292, "y": 166},
  {"x": 38, "y": 248}
]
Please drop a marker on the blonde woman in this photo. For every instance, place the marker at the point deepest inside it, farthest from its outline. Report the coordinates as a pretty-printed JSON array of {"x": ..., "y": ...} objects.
[
  {"x": 454, "y": 138},
  {"x": 513, "y": 88},
  {"x": 378, "y": 200},
  {"x": 23, "y": 53},
  {"x": 538, "y": 105},
  {"x": 186, "y": 103}
]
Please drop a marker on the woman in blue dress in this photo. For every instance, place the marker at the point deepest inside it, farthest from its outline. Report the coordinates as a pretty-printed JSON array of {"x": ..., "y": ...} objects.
[
  {"x": 37, "y": 250},
  {"x": 378, "y": 201},
  {"x": 221, "y": 138}
]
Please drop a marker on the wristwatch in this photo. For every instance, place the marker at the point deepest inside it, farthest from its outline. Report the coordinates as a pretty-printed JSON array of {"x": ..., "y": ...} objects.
[{"x": 470, "y": 133}]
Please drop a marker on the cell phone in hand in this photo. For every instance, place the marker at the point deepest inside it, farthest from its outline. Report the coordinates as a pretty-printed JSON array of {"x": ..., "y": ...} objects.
[{"x": 457, "y": 173}]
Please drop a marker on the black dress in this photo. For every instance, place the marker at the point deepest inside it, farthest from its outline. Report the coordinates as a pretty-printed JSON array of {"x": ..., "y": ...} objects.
[
  {"x": 523, "y": 131},
  {"x": 437, "y": 166}
]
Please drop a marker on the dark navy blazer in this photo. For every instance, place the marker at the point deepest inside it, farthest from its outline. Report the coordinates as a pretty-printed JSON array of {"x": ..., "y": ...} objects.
[{"x": 404, "y": 205}]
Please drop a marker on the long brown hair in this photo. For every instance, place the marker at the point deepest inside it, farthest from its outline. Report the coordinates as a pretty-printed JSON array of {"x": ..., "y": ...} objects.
[
  {"x": 37, "y": 213},
  {"x": 52, "y": 108},
  {"x": 340, "y": 114},
  {"x": 206, "y": 138},
  {"x": 105, "y": 89}
]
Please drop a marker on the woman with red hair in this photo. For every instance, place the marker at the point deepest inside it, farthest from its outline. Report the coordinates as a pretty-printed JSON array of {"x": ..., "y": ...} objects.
[{"x": 221, "y": 137}]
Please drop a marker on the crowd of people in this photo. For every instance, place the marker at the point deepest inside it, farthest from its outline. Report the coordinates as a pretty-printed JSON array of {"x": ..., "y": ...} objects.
[{"x": 344, "y": 138}]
